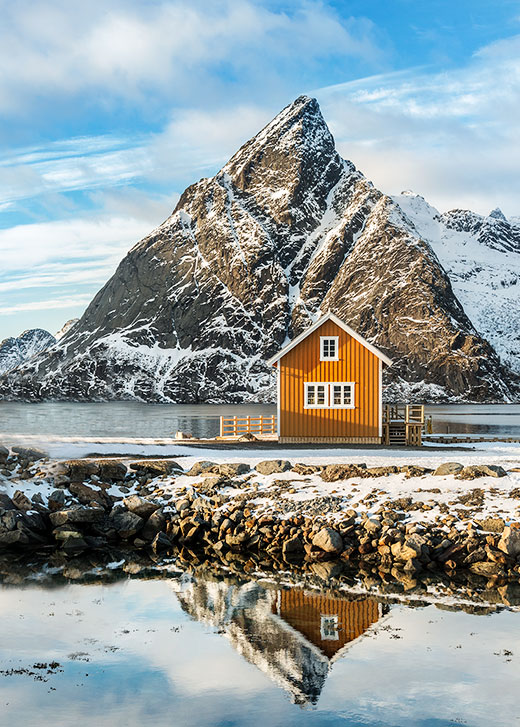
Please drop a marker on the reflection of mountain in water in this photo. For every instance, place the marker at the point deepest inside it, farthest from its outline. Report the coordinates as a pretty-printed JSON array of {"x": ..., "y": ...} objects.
[{"x": 291, "y": 635}]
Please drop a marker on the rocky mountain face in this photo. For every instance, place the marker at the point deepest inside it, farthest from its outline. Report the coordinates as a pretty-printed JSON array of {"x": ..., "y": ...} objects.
[
  {"x": 285, "y": 231},
  {"x": 14, "y": 351},
  {"x": 66, "y": 327},
  {"x": 482, "y": 258}
]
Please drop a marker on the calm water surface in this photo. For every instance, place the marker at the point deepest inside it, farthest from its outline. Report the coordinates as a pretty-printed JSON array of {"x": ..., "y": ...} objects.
[
  {"x": 189, "y": 651},
  {"x": 134, "y": 419}
]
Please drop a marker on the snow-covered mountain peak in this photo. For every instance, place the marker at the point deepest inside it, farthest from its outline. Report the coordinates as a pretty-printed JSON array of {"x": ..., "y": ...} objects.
[
  {"x": 497, "y": 214},
  {"x": 287, "y": 229},
  {"x": 14, "y": 351}
]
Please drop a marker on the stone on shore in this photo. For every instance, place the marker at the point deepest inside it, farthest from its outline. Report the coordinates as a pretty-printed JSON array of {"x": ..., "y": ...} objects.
[
  {"x": 140, "y": 506},
  {"x": 127, "y": 524},
  {"x": 232, "y": 469},
  {"x": 449, "y": 468},
  {"x": 273, "y": 466},
  {"x": 30, "y": 454},
  {"x": 200, "y": 467},
  {"x": 328, "y": 540},
  {"x": 509, "y": 543},
  {"x": 77, "y": 515},
  {"x": 473, "y": 471},
  {"x": 293, "y": 546}
]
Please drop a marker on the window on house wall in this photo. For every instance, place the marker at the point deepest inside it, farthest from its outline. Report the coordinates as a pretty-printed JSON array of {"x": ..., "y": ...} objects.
[
  {"x": 316, "y": 396},
  {"x": 329, "y": 628},
  {"x": 329, "y": 348},
  {"x": 329, "y": 395}
]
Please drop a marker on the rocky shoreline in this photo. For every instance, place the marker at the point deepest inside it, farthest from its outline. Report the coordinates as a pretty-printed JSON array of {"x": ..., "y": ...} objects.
[{"x": 231, "y": 511}]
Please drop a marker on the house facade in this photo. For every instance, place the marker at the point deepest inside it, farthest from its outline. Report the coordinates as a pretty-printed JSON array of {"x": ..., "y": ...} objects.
[{"x": 330, "y": 386}]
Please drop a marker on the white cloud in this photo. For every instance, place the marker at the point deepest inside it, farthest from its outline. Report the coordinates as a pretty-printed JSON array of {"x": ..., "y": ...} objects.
[
  {"x": 135, "y": 49},
  {"x": 451, "y": 136},
  {"x": 50, "y": 304}
]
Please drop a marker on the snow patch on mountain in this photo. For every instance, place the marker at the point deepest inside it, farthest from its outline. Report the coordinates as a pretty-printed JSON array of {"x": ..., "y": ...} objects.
[
  {"x": 482, "y": 258},
  {"x": 14, "y": 351}
]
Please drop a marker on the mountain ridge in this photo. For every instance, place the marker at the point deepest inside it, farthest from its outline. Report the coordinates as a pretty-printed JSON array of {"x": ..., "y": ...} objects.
[{"x": 286, "y": 230}]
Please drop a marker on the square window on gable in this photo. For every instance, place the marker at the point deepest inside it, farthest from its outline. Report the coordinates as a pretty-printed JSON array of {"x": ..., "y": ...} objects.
[{"x": 329, "y": 346}]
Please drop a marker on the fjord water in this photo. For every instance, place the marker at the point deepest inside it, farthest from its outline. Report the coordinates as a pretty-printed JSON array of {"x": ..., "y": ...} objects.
[
  {"x": 136, "y": 419},
  {"x": 189, "y": 651}
]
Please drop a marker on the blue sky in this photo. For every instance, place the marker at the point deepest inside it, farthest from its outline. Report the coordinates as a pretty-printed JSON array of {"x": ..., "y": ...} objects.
[{"x": 110, "y": 108}]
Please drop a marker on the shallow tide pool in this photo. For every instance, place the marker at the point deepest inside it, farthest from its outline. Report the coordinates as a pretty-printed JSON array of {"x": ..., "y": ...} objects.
[{"x": 194, "y": 651}]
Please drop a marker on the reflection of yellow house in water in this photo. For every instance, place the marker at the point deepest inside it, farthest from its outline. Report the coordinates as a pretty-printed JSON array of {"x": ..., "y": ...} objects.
[
  {"x": 294, "y": 636},
  {"x": 328, "y": 623}
]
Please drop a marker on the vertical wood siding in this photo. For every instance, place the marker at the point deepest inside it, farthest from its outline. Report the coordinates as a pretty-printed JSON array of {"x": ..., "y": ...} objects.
[
  {"x": 356, "y": 363},
  {"x": 304, "y": 611}
]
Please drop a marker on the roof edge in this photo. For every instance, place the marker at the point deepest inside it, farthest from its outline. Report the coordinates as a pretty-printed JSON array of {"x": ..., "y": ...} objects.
[{"x": 334, "y": 318}]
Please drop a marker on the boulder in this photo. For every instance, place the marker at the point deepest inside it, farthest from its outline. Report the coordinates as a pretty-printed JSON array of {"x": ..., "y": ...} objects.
[
  {"x": 335, "y": 472},
  {"x": 232, "y": 469},
  {"x": 14, "y": 537},
  {"x": 473, "y": 471},
  {"x": 293, "y": 546},
  {"x": 160, "y": 543},
  {"x": 509, "y": 543},
  {"x": 448, "y": 468},
  {"x": 127, "y": 524},
  {"x": 155, "y": 524},
  {"x": 77, "y": 515},
  {"x": 111, "y": 469},
  {"x": 328, "y": 540},
  {"x": 306, "y": 469},
  {"x": 410, "y": 549},
  {"x": 491, "y": 524},
  {"x": 272, "y": 466},
  {"x": 21, "y": 501},
  {"x": 78, "y": 469},
  {"x": 140, "y": 506},
  {"x": 56, "y": 500},
  {"x": 29, "y": 454},
  {"x": 199, "y": 467},
  {"x": 4, "y": 453},
  {"x": 6, "y": 503},
  {"x": 155, "y": 467},
  {"x": 87, "y": 495}
]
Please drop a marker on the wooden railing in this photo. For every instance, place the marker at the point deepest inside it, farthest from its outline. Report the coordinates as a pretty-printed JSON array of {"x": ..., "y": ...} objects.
[
  {"x": 236, "y": 426},
  {"x": 407, "y": 413}
]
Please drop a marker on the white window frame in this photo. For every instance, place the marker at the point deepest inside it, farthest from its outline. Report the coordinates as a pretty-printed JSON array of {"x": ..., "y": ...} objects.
[
  {"x": 322, "y": 346},
  {"x": 329, "y": 627},
  {"x": 329, "y": 395},
  {"x": 308, "y": 384},
  {"x": 352, "y": 404}
]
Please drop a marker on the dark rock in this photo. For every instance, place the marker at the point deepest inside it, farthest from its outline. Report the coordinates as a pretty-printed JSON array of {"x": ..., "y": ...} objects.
[
  {"x": 86, "y": 495},
  {"x": 56, "y": 500},
  {"x": 155, "y": 524},
  {"x": 160, "y": 543},
  {"x": 293, "y": 546},
  {"x": 6, "y": 502},
  {"x": 126, "y": 524},
  {"x": 155, "y": 467},
  {"x": 4, "y": 453},
  {"x": 272, "y": 466},
  {"x": 200, "y": 467},
  {"x": 77, "y": 515},
  {"x": 78, "y": 469},
  {"x": 29, "y": 454},
  {"x": 111, "y": 469}
]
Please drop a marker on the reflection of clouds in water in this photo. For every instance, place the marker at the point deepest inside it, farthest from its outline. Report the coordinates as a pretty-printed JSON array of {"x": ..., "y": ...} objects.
[{"x": 194, "y": 676}]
